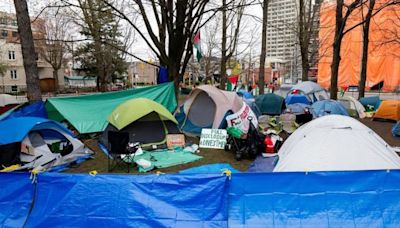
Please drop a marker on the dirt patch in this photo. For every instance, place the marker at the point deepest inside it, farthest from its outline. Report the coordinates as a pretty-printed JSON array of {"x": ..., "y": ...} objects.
[
  {"x": 383, "y": 129},
  {"x": 210, "y": 156}
]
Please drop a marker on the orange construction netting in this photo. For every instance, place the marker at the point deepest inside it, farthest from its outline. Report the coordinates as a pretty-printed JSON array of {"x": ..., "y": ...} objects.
[{"x": 383, "y": 54}]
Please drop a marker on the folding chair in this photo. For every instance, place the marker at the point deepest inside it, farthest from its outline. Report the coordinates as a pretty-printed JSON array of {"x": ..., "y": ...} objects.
[{"x": 118, "y": 142}]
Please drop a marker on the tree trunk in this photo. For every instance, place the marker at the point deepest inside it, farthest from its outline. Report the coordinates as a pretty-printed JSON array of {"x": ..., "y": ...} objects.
[
  {"x": 336, "y": 49},
  {"x": 173, "y": 76},
  {"x": 223, "y": 54},
  {"x": 304, "y": 39},
  {"x": 55, "y": 76},
  {"x": 364, "y": 60},
  {"x": 261, "y": 76},
  {"x": 28, "y": 51}
]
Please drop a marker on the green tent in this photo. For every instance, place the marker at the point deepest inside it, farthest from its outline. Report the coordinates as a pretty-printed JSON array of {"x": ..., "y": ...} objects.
[
  {"x": 134, "y": 109},
  {"x": 270, "y": 104},
  {"x": 88, "y": 113},
  {"x": 145, "y": 121}
]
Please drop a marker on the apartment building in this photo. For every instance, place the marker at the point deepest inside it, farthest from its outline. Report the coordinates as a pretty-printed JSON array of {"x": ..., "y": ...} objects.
[
  {"x": 282, "y": 40},
  {"x": 11, "y": 55},
  {"x": 142, "y": 73}
]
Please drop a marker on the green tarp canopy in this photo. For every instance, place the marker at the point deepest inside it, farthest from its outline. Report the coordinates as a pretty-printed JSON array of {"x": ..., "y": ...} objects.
[{"x": 88, "y": 113}]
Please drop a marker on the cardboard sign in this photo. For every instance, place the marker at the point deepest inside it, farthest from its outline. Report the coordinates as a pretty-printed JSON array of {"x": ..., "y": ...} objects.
[
  {"x": 213, "y": 138},
  {"x": 175, "y": 140},
  {"x": 240, "y": 119}
]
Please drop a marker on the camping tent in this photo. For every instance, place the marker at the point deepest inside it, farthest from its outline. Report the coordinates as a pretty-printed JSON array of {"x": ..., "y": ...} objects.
[
  {"x": 296, "y": 98},
  {"x": 207, "y": 107},
  {"x": 396, "y": 129},
  {"x": 89, "y": 113},
  {"x": 270, "y": 104},
  {"x": 328, "y": 107},
  {"x": 373, "y": 102},
  {"x": 353, "y": 106},
  {"x": 312, "y": 90},
  {"x": 334, "y": 143},
  {"x": 246, "y": 95},
  {"x": 389, "y": 110},
  {"x": 38, "y": 144},
  {"x": 36, "y": 109},
  {"x": 146, "y": 121}
]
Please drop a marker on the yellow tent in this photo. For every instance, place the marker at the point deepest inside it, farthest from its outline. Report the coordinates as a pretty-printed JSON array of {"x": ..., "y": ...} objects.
[{"x": 389, "y": 110}]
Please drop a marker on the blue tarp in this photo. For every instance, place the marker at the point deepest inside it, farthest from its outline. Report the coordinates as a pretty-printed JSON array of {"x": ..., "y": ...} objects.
[
  {"x": 16, "y": 194},
  {"x": 246, "y": 95},
  {"x": 315, "y": 199},
  {"x": 10, "y": 133},
  {"x": 162, "y": 75},
  {"x": 296, "y": 98},
  {"x": 326, "y": 199},
  {"x": 36, "y": 109},
  {"x": 373, "y": 101},
  {"x": 70, "y": 200},
  {"x": 211, "y": 168},
  {"x": 263, "y": 165},
  {"x": 396, "y": 129},
  {"x": 329, "y": 107}
]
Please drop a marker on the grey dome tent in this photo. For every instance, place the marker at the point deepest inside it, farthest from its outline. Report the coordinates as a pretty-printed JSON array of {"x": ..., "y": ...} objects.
[{"x": 312, "y": 90}]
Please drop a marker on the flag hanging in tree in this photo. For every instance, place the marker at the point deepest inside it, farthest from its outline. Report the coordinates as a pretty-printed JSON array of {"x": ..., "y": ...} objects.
[{"x": 196, "y": 43}]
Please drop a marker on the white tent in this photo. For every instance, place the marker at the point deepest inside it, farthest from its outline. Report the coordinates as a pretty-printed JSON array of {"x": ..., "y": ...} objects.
[
  {"x": 6, "y": 99},
  {"x": 335, "y": 143},
  {"x": 312, "y": 90},
  {"x": 353, "y": 106}
]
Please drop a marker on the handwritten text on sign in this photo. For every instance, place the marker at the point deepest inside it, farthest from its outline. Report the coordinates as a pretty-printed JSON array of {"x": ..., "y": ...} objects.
[{"x": 213, "y": 138}]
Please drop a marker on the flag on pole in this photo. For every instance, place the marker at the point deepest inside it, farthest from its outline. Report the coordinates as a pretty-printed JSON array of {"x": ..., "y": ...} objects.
[{"x": 196, "y": 43}]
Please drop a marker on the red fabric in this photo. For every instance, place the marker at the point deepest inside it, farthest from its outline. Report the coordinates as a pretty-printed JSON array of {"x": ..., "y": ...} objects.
[
  {"x": 196, "y": 39},
  {"x": 233, "y": 79}
]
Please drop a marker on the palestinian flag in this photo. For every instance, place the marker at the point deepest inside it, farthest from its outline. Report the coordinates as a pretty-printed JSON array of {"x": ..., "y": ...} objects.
[
  {"x": 232, "y": 81},
  {"x": 196, "y": 43}
]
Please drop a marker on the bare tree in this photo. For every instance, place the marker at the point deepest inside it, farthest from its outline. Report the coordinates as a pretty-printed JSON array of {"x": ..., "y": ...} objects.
[
  {"x": 340, "y": 32},
  {"x": 232, "y": 14},
  {"x": 54, "y": 48},
  {"x": 340, "y": 24},
  {"x": 28, "y": 51},
  {"x": 306, "y": 28},
  {"x": 171, "y": 39},
  {"x": 261, "y": 77},
  {"x": 212, "y": 45},
  {"x": 364, "y": 60}
]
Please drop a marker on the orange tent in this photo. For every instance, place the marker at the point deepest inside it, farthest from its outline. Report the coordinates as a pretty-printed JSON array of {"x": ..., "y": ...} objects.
[
  {"x": 389, "y": 110},
  {"x": 383, "y": 55}
]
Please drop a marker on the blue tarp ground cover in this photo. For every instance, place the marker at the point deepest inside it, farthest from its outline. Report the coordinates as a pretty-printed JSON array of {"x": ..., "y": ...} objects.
[
  {"x": 69, "y": 200},
  {"x": 321, "y": 199},
  {"x": 16, "y": 193},
  {"x": 325, "y": 199},
  {"x": 211, "y": 168},
  {"x": 262, "y": 165}
]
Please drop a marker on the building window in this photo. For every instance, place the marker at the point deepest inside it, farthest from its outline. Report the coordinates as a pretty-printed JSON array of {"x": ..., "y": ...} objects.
[
  {"x": 4, "y": 33},
  {"x": 14, "y": 34},
  {"x": 3, "y": 20},
  {"x": 13, "y": 74},
  {"x": 11, "y": 55},
  {"x": 14, "y": 23}
]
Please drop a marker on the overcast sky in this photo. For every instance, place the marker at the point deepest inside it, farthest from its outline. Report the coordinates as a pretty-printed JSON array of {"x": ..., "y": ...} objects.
[{"x": 251, "y": 29}]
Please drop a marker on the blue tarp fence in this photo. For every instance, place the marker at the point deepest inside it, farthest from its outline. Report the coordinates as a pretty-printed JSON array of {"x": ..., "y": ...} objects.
[{"x": 321, "y": 199}]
